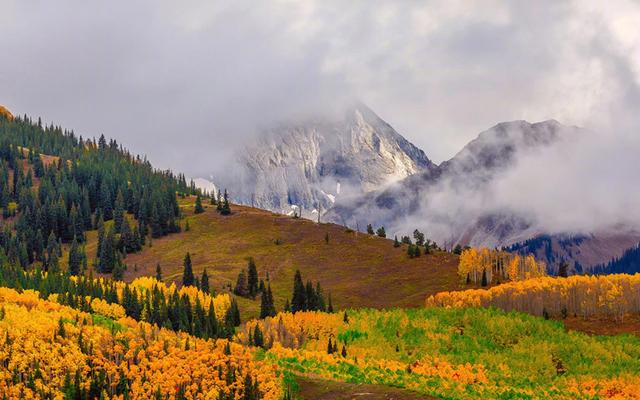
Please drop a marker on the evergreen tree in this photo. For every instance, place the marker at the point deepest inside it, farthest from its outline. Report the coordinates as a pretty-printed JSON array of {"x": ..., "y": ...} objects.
[
  {"x": 198, "y": 207},
  {"x": 370, "y": 229},
  {"x": 396, "y": 243},
  {"x": 226, "y": 208},
  {"x": 252, "y": 278},
  {"x": 267, "y": 308},
  {"x": 158, "y": 273},
  {"x": 75, "y": 258},
  {"x": 299, "y": 298},
  {"x": 484, "y": 278},
  {"x": 241, "y": 288},
  {"x": 258, "y": 338},
  {"x": 204, "y": 282},
  {"x": 108, "y": 255},
  {"x": 188, "y": 278},
  {"x": 381, "y": 232},
  {"x": 457, "y": 250},
  {"x": 118, "y": 213}
]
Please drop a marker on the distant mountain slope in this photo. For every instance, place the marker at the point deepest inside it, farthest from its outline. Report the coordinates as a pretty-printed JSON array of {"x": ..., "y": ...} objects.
[
  {"x": 584, "y": 253},
  {"x": 313, "y": 162},
  {"x": 430, "y": 198},
  {"x": 455, "y": 203},
  {"x": 628, "y": 263}
]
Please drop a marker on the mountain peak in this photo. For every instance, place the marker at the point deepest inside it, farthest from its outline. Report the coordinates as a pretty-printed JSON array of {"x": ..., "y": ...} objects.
[{"x": 312, "y": 161}]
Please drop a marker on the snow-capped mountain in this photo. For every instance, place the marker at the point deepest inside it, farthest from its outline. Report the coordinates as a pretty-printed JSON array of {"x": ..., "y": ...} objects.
[{"x": 312, "y": 163}]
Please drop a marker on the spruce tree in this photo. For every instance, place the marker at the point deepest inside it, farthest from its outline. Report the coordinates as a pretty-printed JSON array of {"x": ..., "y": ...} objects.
[
  {"x": 258, "y": 338},
  {"x": 252, "y": 278},
  {"x": 198, "y": 207},
  {"x": 484, "y": 278},
  {"x": 299, "y": 298},
  {"x": 241, "y": 288},
  {"x": 264, "y": 305},
  {"x": 226, "y": 208},
  {"x": 118, "y": 213},
  {"x": 188, "y": 278},
  {"x": 204, "y": 282},
  {"x": 396, "y": 243},
  {"x": 381, "y": 232},
  {"x": 75, "y": 258},
  {"x": 370, "y": 229},
  {"x": 158, "y": 272},
  {"x": 108, "y": 255}
]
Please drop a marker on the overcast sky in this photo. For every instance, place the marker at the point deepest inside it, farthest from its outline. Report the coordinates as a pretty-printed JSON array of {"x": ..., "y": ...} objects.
[{"x": 183, "y": 81}]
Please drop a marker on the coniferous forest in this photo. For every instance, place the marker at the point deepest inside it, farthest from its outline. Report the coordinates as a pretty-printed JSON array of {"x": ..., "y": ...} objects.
[{"x": 55, "y": 186}]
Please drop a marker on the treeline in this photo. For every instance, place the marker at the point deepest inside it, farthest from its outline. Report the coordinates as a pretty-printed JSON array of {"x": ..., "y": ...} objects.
[
  {"x": 628, "y": 263},
  {"x": 170, "y": 309},
  {"x": 485, "y": 266},
  {"x": 87, "y": 183}
]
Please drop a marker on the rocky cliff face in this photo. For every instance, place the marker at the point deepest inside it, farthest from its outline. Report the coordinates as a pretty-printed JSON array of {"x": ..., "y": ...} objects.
[{"x": 313, "y": 163}]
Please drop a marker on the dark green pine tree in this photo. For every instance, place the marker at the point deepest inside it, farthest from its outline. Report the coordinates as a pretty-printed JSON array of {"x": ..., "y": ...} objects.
[
  {"x": 484, "y": 278},
  {"x": 258, "y": 338},
  {"x": 75, "y": 258},
  {"x": 396, "y": 243},
  {"x": 299, "y": 298},
  {"x": 188, "y": 279},
  {"x": 381, "y": 232},
  {"x": 204, "y": 282},
  {"x": 108, "y": 257},
  {"x": 158, "y": 272},
  {"x": 219, "y": 202},
  {"x": 264, "y": 305},
  {"x": 241, "y": 288},
  {"x": 118, "y": 213},
  {"x": 198, "y": 208},
  {"x": 370, "y": 229},
  {"x": 226, "y": 208},
  {"x": 105, "y": 201},
  {"x": 252, "y": 277}
]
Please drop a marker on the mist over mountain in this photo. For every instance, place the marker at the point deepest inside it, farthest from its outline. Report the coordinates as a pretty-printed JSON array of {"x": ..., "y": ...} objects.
[
  {"x": 514, "y": 182},
  {"x": 314, "y": 162},
  {"x": 356, "y": 169}
]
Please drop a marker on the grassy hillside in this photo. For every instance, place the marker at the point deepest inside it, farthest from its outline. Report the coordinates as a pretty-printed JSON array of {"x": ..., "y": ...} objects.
[
  {"x": 455, "y": 353},
  {"x": 357, "y": 269}
]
